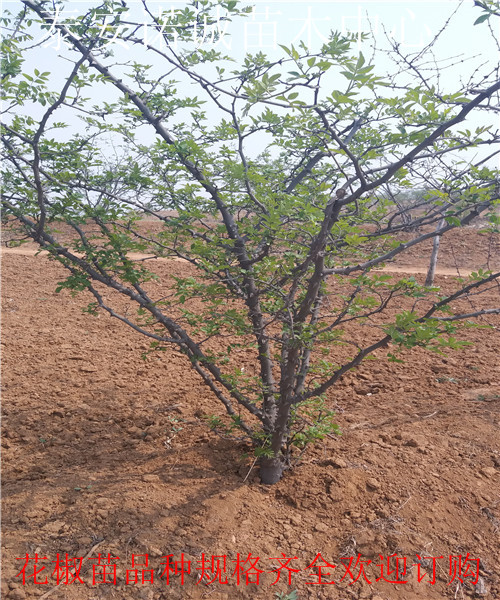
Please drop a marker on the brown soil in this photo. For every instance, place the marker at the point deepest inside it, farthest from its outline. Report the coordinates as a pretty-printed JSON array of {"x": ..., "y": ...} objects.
[{"x": 105, "y": 453}]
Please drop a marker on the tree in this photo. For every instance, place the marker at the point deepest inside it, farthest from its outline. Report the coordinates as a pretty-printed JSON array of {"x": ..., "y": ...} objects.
[{"x": 283, "y": 241}]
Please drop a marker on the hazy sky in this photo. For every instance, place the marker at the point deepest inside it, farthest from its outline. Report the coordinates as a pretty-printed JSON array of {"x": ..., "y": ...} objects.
[{"x": 412, "y": 24}]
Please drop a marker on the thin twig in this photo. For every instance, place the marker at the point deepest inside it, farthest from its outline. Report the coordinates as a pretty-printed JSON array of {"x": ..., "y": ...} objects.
[{"x": 250, "y": 469}]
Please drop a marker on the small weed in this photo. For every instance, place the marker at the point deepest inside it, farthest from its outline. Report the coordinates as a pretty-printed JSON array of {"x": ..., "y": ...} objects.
[
  {"x": 291, "y": 596},
  {"x": 446, "y": 380},
  {"x": 175, "y": 429},
  {"x": 484, "y": 398}
]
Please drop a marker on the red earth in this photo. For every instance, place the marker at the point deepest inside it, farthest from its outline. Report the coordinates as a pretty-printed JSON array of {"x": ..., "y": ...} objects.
[{"x": 106, "y": 455}]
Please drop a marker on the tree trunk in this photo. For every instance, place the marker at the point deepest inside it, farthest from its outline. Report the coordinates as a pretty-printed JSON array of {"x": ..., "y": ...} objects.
[
  {"x": 271, "y": 469},
  {"x": 429, "y": 280}
]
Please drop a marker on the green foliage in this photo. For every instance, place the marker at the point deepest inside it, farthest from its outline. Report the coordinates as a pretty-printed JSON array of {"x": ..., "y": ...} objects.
[
  {"x": 409, "y": 331},
  {"x": 283, "y": 596},
  {"x": 490, "y": 8},
  {"x": 311, "y": 422},
  {"x": 281, "y": 245}
]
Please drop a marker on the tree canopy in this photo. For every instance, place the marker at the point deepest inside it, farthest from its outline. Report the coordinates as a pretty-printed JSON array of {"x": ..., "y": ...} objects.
[{"x": 281, "y": 183}]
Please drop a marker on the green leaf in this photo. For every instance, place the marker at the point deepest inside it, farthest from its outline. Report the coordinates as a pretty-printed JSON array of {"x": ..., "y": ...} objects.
[
  {"x": 482, "y": 19},
  {"x": 287, "y": 50}
]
